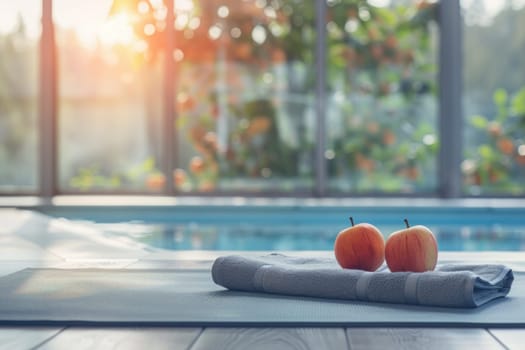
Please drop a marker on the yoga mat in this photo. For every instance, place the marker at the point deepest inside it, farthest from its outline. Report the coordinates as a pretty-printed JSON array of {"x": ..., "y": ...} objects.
[{"x": 190, "y": 298}]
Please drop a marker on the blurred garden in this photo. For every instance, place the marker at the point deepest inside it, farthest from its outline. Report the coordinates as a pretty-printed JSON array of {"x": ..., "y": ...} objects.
[{"x": 246, "y": 91}]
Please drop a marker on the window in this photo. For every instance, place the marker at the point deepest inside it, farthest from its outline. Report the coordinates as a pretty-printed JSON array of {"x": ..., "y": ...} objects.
[
  {"x": 245, "y": 95},
  {"x": 381, "y": 110},
  {"x": 19, "y": 94},
  {"x": 287, "y": 97},
  {"x": 494, "y": 97},
  {"x": 109, "y": 98}
]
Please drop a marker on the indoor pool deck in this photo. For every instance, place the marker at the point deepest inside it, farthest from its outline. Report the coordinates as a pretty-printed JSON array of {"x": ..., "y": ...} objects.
[{"x": 34, "y": 240}]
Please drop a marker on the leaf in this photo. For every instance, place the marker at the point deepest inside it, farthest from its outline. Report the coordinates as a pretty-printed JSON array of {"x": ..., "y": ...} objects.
[
  {"x": 387, "y": 16},
  {"x": 336, "y": 55},
  {"x": 479, "y": 121},
  {"x": 486, "y": 152},
  {"x": 500, "y": 97},
  {"x": 148, "y": 165},
  {"x": 518, "y": 103},
  {"x": 115, "y": 181}
]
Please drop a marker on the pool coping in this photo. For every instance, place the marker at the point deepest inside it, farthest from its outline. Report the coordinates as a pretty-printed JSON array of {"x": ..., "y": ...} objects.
[
  {"x": 299, "y": 211},
  {"x": 34, "y": 202}
]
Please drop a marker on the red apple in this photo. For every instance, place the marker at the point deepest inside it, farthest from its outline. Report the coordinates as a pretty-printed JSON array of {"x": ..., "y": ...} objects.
[
  {"x": 360, "y": 246},
  {"x": 412, "y": 249}
]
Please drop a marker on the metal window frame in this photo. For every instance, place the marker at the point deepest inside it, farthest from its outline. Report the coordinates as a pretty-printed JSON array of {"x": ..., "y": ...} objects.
[
  {"x": 450, "y": 126},
  {"x": 168, "y": 137},
  {"x": 320, "y": 100},
  {"x": 450, "y": 81},
  {"x": 47, "y": 133}
]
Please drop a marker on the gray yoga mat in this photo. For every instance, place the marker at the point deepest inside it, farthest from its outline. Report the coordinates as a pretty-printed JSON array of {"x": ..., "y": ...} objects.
[{"x": 190, "y": 298}]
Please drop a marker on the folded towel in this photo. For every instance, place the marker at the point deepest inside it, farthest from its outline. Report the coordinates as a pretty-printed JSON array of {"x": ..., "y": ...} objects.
[{"x": 449, "y": 285}]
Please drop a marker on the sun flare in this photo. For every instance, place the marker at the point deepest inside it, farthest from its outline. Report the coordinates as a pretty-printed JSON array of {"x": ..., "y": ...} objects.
[
  {"x": 183, "y": 6},
  {"x": 117, "y": 30}
]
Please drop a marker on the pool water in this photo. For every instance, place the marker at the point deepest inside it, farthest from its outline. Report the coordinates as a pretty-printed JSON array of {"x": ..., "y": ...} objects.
[{"x": 275, "y": 237}]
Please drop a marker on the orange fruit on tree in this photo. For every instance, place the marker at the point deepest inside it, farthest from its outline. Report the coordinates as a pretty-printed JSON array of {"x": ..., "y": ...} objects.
[
  {"x": 196, "y": 165},
  {"x": 179, "y": 177},
  {"x": 505, "y": 145},
  {"x": 155, "y": 182},
  {"x": 389, "y": 138},
  {"x": 372, "y": 127},
  {"x": 259, "y": 125},
  {"x": 494, "y": 128},
  {"x": 206, "y": 186}
]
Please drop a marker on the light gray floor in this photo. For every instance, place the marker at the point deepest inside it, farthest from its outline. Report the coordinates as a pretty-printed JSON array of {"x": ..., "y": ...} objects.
[{"x": 33, "y": 240}]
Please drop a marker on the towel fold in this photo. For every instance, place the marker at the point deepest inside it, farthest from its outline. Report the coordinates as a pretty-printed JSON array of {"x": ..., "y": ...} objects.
[{"x": 463, "y": 286}]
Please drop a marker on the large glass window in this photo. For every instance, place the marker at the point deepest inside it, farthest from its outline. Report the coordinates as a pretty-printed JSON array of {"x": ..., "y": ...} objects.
[
  {"x": 19, "y": 52},
  {"x": 110, "y": 96},
  {"x": 381, "y": 96},
  {"x": 241, "y": 81},
  {"x": 245, "y": 95},
  {"x": 494, "y": 97}
]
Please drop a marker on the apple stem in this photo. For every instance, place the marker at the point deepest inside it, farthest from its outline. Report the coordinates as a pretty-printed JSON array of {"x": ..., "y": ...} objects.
[
  {"x": 406, "y": 223},
  {"x": 352, "y": 220}
]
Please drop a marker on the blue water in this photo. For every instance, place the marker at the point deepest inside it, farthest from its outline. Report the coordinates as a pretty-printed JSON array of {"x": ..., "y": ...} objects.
[{"x": 275, "y": 237}]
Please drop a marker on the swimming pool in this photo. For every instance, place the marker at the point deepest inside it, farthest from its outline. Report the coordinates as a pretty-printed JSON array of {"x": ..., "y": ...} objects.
[
  {"x": 300, "y": 227},
  {"x": 195, "y": 236}
]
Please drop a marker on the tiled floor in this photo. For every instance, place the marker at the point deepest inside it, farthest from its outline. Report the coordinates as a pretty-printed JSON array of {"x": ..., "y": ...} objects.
[{"x": 33, "y": 240}]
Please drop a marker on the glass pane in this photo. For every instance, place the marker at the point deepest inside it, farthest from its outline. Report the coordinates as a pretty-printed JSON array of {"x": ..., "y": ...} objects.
[
  {"x": 245, "y": 96},
  {"x": 110, "y": 105},
  {"x": 494, "y": 97},
  {"x": 19, "y": 52},
  {"x": 381, "y": 96}
]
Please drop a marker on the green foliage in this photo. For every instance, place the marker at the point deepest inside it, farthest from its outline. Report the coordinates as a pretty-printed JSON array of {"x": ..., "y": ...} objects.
[
  {"x": 380, "y": 59},
  {"x": 496, "y": 164},
  {"x": 380, "y": 63},
  {"x": 479, "y": 121},
  {"x": 517, "y": 108},
  {"x": 136, "y": 176}
]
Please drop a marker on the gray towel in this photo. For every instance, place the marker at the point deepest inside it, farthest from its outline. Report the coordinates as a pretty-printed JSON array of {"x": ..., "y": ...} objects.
[{"x": 449, "y": 285}]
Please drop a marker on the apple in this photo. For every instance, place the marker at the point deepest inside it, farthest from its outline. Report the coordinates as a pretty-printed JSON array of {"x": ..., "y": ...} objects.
[
  {"x": 360, "y": 246},
  {"x": 411, "y": 249}
]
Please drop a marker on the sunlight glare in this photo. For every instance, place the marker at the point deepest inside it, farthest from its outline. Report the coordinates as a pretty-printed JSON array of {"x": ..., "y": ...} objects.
[
  {"x": 181, "y": 21},
  {"x": 183, "y": 6},
  {"x": 140, "y": 46},
  {"x": 143, "y": 7},
  {"x": 195, "y": 22},
  {"x": 84, "y": 18},
  {"x": 149, "y": 29},
  {"x": 259, "y": 34},
  {"x": 223, "y": 11},
  {"x": 178, "y": 55},
  {"x": 236, "y": 32},
  {"x": 379, "y": 3},
  {"x": 12, "y": 11},
  {"x": 160, "y": 13},
  {"x": 215, "y": 32},
  {"x": 117, "y": 30}
]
